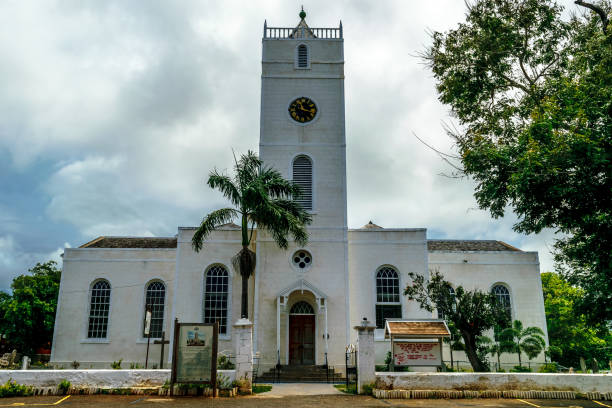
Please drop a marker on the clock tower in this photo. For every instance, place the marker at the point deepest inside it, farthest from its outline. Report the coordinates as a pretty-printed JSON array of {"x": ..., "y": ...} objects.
[
  {"x": 302, "y": 115},
  {"x": 302, "y": 135}
]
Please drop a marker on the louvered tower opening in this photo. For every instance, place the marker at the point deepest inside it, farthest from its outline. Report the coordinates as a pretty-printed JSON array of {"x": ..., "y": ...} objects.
[
  {"x": 302, "y": 176},
  {"x": 302, "y": 56}
]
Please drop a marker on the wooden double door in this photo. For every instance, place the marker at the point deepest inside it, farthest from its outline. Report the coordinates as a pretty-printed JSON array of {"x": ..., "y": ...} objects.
[{"x": 301, "y": 339}]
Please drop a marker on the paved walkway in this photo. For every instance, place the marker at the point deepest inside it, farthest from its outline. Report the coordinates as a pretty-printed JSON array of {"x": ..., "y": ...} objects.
[{"x": 287, "y": 390}]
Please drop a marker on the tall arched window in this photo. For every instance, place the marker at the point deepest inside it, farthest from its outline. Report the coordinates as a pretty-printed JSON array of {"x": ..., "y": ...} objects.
[
  {"x": 302, "y": 176},
  {"x": 388, "y": 304},
  {"x": 502, "y": 294},
  {"x": 216, "y": 290},
  {"x": 302, "y": 56},
  {"x": 155, "y": 300},
  {"x": 99, "y": 308}
]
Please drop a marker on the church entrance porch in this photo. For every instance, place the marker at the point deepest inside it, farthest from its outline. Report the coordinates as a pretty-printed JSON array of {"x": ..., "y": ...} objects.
[
  {"x": 301, "y": 325},
  {"x": 302, "y": 334}
]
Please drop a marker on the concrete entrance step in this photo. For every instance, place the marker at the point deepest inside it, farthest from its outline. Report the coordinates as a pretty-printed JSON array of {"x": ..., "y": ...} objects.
[{"x": 294, "y": 374}]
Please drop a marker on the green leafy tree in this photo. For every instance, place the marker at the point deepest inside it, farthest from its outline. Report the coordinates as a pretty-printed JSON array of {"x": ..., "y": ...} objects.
[
  {"x": 260, "y": 197},
  {"x": 454, "y": 341},
  {"x": 528, "y": 340},
  {"x": 472, "y": 312},
  {"x": 532, "y": 97},
  {"x": 28, "y": 314},
  {"x": 570, "y": 334}
]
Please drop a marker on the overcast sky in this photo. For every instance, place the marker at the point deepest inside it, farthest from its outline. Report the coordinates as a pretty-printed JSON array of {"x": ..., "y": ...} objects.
[{"x": 112, "y": 113}]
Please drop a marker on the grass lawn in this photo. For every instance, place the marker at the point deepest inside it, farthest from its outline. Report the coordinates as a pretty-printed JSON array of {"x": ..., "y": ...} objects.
[
  {"x": 352, "y": 389},
  {"x": 258, "y": 389}
]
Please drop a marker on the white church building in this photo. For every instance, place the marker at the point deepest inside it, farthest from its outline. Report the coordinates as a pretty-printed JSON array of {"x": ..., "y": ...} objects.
[{"x": 303, "y": 301}]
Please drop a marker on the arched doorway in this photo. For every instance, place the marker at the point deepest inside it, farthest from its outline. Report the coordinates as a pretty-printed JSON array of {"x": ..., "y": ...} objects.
[{"x": 301, "y": 334}]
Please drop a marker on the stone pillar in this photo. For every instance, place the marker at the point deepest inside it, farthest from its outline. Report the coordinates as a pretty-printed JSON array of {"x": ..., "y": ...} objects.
[
  {"x": 366, "y": 368},
  {"x": 243, "y": 332}
]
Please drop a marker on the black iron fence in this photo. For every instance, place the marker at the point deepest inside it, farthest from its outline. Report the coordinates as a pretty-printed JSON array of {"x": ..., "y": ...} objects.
[{"x": 351, "y": 367}]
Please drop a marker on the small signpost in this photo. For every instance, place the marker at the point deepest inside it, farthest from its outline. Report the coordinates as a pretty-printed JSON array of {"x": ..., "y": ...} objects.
[
  {"x": 147, "y": 332},
  {"x": 163, "y": 342},
  {"x": 194, "y": 355}
]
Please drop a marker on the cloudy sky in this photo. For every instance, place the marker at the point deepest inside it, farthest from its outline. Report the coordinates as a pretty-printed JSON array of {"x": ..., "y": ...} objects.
[{"x": 112, "y": 113}]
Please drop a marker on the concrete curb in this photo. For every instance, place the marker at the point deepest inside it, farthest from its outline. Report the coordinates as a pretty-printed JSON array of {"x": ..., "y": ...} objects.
[{"x": 455, "y": 394}]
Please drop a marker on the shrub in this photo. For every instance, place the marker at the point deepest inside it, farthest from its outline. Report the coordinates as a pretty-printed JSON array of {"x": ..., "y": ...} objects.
[
  {"x": 223, "y": 382},
  {"x": 12, "y": 389},
  {"x": 548, "y": 368},
  {"x": 224, "y": 363},
  {"x": 75, "y": 364},
  {"x": 520, "y": 369},
  {"x": 367, "y": 389},
  {"x": 116, "y": 365},
  {"x": 64, "y": 386},
  {"x": 134, "y": 366}
]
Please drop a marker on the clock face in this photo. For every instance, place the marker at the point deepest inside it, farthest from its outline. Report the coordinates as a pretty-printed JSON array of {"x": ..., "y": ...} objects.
[{"x": 303, "y": 109}]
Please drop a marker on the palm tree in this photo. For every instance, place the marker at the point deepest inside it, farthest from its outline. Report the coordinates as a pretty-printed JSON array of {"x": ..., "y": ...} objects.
[
  {"x": 498, "y": 345},
  {"x": 260, "y": 197},
  {"x": 528, "y": 340}
]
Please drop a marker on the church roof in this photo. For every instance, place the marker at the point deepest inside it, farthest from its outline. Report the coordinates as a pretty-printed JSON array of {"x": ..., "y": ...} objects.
[
  {"x": 302, "y": 30},
  {"x": 371, "y": 225},
  {"x": 131, "y": 242},
  {"x": 468, "y": 245}
]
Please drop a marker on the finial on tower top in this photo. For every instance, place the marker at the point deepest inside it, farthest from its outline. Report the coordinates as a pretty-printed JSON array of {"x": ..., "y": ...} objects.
[{"x": 302, "y": 13}]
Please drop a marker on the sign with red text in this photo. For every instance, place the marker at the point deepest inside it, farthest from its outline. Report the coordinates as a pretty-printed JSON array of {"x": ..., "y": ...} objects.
[{"x": 416, "y": 354}]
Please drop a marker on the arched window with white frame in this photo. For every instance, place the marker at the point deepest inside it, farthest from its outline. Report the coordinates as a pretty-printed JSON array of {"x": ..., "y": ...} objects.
[
  {"x": 502, "y": 294},
  {"x": 388, "y": 302},
  {"x": 302, "y": 176},
  {"x": 216, "y": 294},
  {"x": 99, "y": 309},
  {"x": 155, "y": 300},
  {"x": 301, "y": 56}
]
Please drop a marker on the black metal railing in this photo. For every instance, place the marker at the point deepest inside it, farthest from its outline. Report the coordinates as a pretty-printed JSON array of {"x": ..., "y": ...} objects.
[{"x": 350, "y": 360}]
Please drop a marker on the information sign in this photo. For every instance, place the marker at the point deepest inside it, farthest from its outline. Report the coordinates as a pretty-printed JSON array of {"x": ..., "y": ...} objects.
[
  {"x": 194, "y": 357},
  {"x": 416, "y": 353}
]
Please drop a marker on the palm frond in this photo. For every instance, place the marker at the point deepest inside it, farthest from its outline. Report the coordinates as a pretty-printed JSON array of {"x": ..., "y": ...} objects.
[
  {"x": 226, "y": 185},
  {"x": 209, "y": 224}
]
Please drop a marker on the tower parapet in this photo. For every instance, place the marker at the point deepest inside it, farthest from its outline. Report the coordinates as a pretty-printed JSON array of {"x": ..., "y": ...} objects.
[{"x": 302, "y": 30}]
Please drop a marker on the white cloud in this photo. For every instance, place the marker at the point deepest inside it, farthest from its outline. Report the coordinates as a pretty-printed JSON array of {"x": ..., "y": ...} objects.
[{"x": 134, "y": 103}]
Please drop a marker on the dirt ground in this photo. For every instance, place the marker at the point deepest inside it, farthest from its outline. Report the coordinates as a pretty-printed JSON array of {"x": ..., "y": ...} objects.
[{"x": 311, "y": 401}]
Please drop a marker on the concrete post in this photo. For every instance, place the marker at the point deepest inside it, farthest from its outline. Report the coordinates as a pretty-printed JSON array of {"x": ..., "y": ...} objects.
[
  {"x": 366, "y": 368},
  {"x": 243, "y": 332}
]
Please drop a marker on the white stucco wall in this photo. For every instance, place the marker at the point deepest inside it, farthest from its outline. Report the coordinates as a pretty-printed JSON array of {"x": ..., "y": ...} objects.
[
  {"x": 219, "y": 249},
  {"x": 128, "y": 271},
  {"x": 518, "y": 271},
  {"x": 94, "y": 378},
  {"x": 496, "y": 381}
]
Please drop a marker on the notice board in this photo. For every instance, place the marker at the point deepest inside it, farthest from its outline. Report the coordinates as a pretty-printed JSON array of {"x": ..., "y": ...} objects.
[
  {"x": 416, "y": 353},
  {"x": 194, "y": 358}
]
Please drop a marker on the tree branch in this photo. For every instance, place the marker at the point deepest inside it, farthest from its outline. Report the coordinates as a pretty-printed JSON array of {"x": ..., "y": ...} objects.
[{"x": 602, "y": 13}]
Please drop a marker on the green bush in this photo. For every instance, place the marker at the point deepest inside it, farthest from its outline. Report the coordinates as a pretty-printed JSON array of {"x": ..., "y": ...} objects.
[
  {"x": 548, "y": 368},
  {"x": 12, "y": 389},
  {"x": 116, "y": 365},
  {"x": 520, "y": 369},
  {"x": 64, "y": 386},
  {"x": 367, "y": 389},
  {"x": 223, "y": 382},
  {"x": 224, "y": 363}
]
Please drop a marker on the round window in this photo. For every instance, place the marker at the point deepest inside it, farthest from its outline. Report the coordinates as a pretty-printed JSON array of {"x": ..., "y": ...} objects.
[{"x": 302, "y": 259}]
